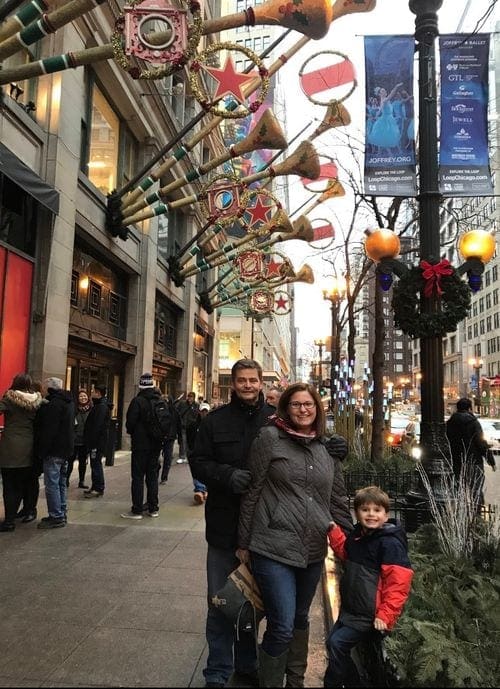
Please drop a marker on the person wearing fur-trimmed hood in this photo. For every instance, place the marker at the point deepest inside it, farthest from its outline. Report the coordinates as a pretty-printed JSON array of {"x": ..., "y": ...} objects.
[{"x": 18, "y": 406}]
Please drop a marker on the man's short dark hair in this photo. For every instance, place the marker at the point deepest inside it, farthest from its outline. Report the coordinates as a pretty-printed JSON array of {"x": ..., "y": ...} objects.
[
  {"x": 246, "y": 363},
  {"x": 464, "y": 404},
  {"x": 102, "y": 389}
]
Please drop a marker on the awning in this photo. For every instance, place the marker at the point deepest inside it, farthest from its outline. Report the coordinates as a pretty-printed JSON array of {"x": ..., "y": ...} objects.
[{"x": 14, "y": 168}]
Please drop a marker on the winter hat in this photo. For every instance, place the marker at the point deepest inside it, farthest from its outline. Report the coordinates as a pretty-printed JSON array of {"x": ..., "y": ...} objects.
[
  {"x": 204, "y": 406},
  {"x": 54, "y": 383},
  {"x": 146, "y": 381}
]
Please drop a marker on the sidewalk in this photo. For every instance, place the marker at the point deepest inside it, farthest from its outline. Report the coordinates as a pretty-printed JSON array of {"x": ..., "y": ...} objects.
[{"x": 108, "y": 602}]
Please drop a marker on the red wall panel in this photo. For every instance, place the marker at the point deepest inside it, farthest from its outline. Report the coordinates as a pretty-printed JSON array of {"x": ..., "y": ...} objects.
[{"x": 15, "y": 316}]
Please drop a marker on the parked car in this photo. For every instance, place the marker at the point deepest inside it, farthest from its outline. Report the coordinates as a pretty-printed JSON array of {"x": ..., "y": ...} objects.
[{"x": 491, "y": 430}]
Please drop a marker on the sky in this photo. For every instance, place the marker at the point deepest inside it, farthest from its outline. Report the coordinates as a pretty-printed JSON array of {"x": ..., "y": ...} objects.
[{"x": 312, "y": 312}]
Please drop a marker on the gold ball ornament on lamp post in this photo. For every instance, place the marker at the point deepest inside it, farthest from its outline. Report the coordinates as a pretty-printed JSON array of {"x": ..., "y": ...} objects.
[{"x": 477, "y": 247}]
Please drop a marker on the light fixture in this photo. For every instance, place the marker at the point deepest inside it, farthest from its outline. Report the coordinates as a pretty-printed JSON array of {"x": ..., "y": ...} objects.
[
  {"x": 476, "y": 247},
  {"x": 84, "y": 282}
]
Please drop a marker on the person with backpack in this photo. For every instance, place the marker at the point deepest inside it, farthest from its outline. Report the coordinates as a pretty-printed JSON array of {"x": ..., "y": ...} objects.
[
  {"x": 189, "y": 413},
  {"x": 148, "y": 421}
]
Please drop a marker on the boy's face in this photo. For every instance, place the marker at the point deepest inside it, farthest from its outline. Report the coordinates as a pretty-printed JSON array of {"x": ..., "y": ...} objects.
[{"x": 371, "y": 516}]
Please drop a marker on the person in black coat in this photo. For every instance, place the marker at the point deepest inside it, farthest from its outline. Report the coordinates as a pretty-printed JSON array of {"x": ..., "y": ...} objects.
[
  {"x": 54, "y": 443},
  {"x": 219, "y": 460},
  {"x": 145, "y": 449},
  {"x": 174, "y": 433},
  {"x": 468, "y": 448},
  {"x": 95, "y": 438}
]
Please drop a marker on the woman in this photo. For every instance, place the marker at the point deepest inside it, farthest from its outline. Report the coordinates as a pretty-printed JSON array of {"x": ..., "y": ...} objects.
[
  {"x": 296, "y": 491},
  {"x": 18, "y": 406},
  {"x": 81, "y": 452}
]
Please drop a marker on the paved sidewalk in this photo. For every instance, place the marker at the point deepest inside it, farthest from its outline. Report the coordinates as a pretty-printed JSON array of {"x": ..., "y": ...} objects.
[{"x": 108, "y": 602}]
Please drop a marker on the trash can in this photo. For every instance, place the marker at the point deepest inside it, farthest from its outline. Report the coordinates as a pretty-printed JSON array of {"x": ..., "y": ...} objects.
[{"x": 111, "y": 443}]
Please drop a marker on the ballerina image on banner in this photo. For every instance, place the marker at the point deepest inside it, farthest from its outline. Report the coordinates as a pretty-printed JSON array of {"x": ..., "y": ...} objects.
[{"x": 389, "y": 121}]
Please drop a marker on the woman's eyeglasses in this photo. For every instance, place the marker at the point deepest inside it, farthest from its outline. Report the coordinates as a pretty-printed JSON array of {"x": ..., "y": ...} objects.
[{"x": 298, "y": 405}]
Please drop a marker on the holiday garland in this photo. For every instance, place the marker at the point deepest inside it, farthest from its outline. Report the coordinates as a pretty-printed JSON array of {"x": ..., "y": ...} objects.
[{"x": 453, "y": 300}]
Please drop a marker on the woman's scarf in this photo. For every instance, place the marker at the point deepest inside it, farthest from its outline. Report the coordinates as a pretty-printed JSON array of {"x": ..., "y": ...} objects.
[
  {"x": 82, "y": 408},
  {"x": 285, "y": 426}
]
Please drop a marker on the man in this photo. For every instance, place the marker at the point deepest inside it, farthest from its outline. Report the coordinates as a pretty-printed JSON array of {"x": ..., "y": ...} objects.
[
  {"x": 189, "y": 414},
  {"x": 219, "y": 461},
  {"x": 95, "y": 436},
  {"x": 200, "y": 489},
  {"x": 273, "y": 397},
  {"x": 468, "y": 449},
  {"x": 146, "y": 446},
  {"x": 55, "y": 444}
]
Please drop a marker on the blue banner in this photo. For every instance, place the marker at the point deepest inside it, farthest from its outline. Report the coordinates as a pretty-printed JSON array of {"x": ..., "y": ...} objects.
[
  {"x": 389, "y": 120},
  {"x": 464, "y": 168}
]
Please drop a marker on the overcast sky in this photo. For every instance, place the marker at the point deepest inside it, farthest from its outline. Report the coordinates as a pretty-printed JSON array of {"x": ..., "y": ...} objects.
[{"x": 346, "y": 36}]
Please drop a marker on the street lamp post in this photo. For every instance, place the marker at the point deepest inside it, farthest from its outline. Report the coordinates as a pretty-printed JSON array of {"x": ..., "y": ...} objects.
[
  {"x": 334, "y": 296},
  {"x": 320, "y": 344},
  {"x": 477, "y": 364}
]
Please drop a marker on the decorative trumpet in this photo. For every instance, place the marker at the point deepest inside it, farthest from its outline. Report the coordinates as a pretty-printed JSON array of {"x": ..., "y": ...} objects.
[{"x": 267, "y": 133}]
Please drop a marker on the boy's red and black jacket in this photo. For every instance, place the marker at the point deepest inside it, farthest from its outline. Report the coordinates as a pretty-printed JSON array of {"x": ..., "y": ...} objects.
[{"x": 377, "y": 574}]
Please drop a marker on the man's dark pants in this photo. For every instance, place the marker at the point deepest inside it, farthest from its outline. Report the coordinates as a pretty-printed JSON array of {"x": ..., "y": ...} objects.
[
  {"x": 220, "y": 632},
  {"x": 145, "y": 466}
]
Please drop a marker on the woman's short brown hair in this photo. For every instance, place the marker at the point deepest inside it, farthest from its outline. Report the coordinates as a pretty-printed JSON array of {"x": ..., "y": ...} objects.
[{"x": 284, "y": 401}]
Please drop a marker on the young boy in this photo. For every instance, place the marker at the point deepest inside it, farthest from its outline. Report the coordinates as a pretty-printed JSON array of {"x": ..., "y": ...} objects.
[{"x": 376, "y": 580}]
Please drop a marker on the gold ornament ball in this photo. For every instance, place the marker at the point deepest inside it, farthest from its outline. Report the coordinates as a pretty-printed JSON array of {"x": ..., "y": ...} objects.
[
  {"x": 477, "y": 244},
  {"x": 382, "y": 243}
]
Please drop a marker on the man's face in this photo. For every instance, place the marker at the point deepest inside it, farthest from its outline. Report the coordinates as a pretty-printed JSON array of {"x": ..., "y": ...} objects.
[
  {"x": 247, "y": 385},
  {"x": 190, "y": 398},
  {"x": 272, "y": 397}
]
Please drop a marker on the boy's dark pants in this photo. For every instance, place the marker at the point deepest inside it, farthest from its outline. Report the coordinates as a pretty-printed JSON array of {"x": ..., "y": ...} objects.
[{"x": 339, "y": 644}]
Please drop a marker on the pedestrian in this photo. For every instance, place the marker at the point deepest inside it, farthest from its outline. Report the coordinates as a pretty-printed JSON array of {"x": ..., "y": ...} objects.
[
  {"x": 295, "y": 492},
  {"x": 273, "y": 396},
  {"x": 219, "y": 461},
  {"x": 375, "y": 583},
  {"x": 81, "y": 452},
  {"x": 189, "y": 413},
  {"x": 469, "y": 449},
  {"x": 146, "y": 446},
  {"x": 95, "y": 438},
  {"x": 174, "y": 432},
  {"x": 200, "y": 489},
  {"x": 19, "y": 406},
  {"x": 55, "y": 438}
]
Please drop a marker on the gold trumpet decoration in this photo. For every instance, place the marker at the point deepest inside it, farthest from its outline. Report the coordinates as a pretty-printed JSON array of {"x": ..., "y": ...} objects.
[
  {"x": 303, "y": 162},
  {"x": 267, "y": 133},
  {"x": 305, "y": 274}
]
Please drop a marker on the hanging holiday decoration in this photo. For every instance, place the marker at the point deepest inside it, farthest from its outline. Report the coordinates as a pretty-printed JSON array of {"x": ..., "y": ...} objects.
[
  {"x": 249, "y": 265},
  {"x": 261, "y": 301},
  {"x": 282, "y": 303},
  {"x": 222, "y": 199},
  {"x": 230, "y": 83},
  {"x": 169, "y": 49},
  {"x": 327, "y": 78},
  {"x": 441, "y": 280}
]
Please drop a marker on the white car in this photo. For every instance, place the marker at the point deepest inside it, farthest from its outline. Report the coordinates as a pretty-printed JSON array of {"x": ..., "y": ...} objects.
[{"x": 491, "y": 430}]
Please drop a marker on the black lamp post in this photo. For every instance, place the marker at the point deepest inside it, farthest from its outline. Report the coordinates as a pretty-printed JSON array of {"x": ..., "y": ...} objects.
[
  {"x": 334, "y": 296},
  {"x": 320, "y": 344}
]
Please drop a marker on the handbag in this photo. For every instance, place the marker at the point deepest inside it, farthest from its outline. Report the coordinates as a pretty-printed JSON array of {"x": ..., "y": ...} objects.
[{"x": 240, "y": 601}]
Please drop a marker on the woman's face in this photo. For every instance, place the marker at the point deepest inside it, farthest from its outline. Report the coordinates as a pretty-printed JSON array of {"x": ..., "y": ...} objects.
[
  {"x": 83, "y": 398},
  {"x": 302, "y": 410}
]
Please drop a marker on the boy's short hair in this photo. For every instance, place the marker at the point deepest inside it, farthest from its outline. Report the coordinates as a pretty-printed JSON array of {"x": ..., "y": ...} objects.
[{"x": 371, "y": 494}]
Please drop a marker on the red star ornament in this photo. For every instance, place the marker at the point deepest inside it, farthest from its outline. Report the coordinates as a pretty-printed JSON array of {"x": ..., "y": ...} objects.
[
  {"x": 229, "y": 82},
  {"x": 281, "y": 302},
  {"x": 273, "y": 268},
  {"x": 259, "y": 212}
]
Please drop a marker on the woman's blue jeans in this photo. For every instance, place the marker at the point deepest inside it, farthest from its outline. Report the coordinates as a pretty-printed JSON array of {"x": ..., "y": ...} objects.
[{"x": 287, "y": 593}]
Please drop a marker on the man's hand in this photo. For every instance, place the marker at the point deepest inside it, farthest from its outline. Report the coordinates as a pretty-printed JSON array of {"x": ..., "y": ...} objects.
[
  {"x": 240, "y": 480},
  {"x": 243, "y": 555},
  {"x": 379, "y": 624}
]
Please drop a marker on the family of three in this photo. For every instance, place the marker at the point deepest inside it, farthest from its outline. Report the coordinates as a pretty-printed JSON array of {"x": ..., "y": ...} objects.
[{"x": 275, "y": 497}]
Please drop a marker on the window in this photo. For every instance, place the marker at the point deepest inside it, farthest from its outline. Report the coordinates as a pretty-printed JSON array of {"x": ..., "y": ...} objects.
[
  {"x": 166, "y": 327},
  {"x": 488, "y": 300},
  {"x": 481, "y": 326},
  {"x": 481, "y": 304},
  {"x": 488, "y": 324},
  {"x": 171, "y": 234},
  {"x": 103, "y": 143},
  {"x": 487, "y": 278},
  {"x": 495, "y": 297}
]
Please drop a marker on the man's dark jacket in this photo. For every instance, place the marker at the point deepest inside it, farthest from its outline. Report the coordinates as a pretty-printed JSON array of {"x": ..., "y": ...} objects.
[
  {"x": 466, "y": 439},
  {"x": 95, "y": 432},
  {"x": 54, "y": 426},
  {"x": 136, "y": 421},
  {"x": 222, "y": 445}
]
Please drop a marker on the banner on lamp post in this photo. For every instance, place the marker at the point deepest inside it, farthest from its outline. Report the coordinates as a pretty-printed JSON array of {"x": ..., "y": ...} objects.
[
  {"x": 464, "y": 168},
  {"x": 390, "y": 168}
]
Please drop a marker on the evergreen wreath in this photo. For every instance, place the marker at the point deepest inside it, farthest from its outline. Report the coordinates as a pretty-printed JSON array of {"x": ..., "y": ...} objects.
[{"x": 454, "y": 304}]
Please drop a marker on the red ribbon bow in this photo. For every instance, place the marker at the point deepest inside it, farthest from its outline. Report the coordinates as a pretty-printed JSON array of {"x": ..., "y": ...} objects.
[{"x": 432, "y": 274}]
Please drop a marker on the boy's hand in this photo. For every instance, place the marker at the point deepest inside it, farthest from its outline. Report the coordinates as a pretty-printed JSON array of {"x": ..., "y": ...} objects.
[
  {"x": 379, "y": 624},
  {"x": 243, "y": 555},
  {"x": 331, "y": 526}
]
